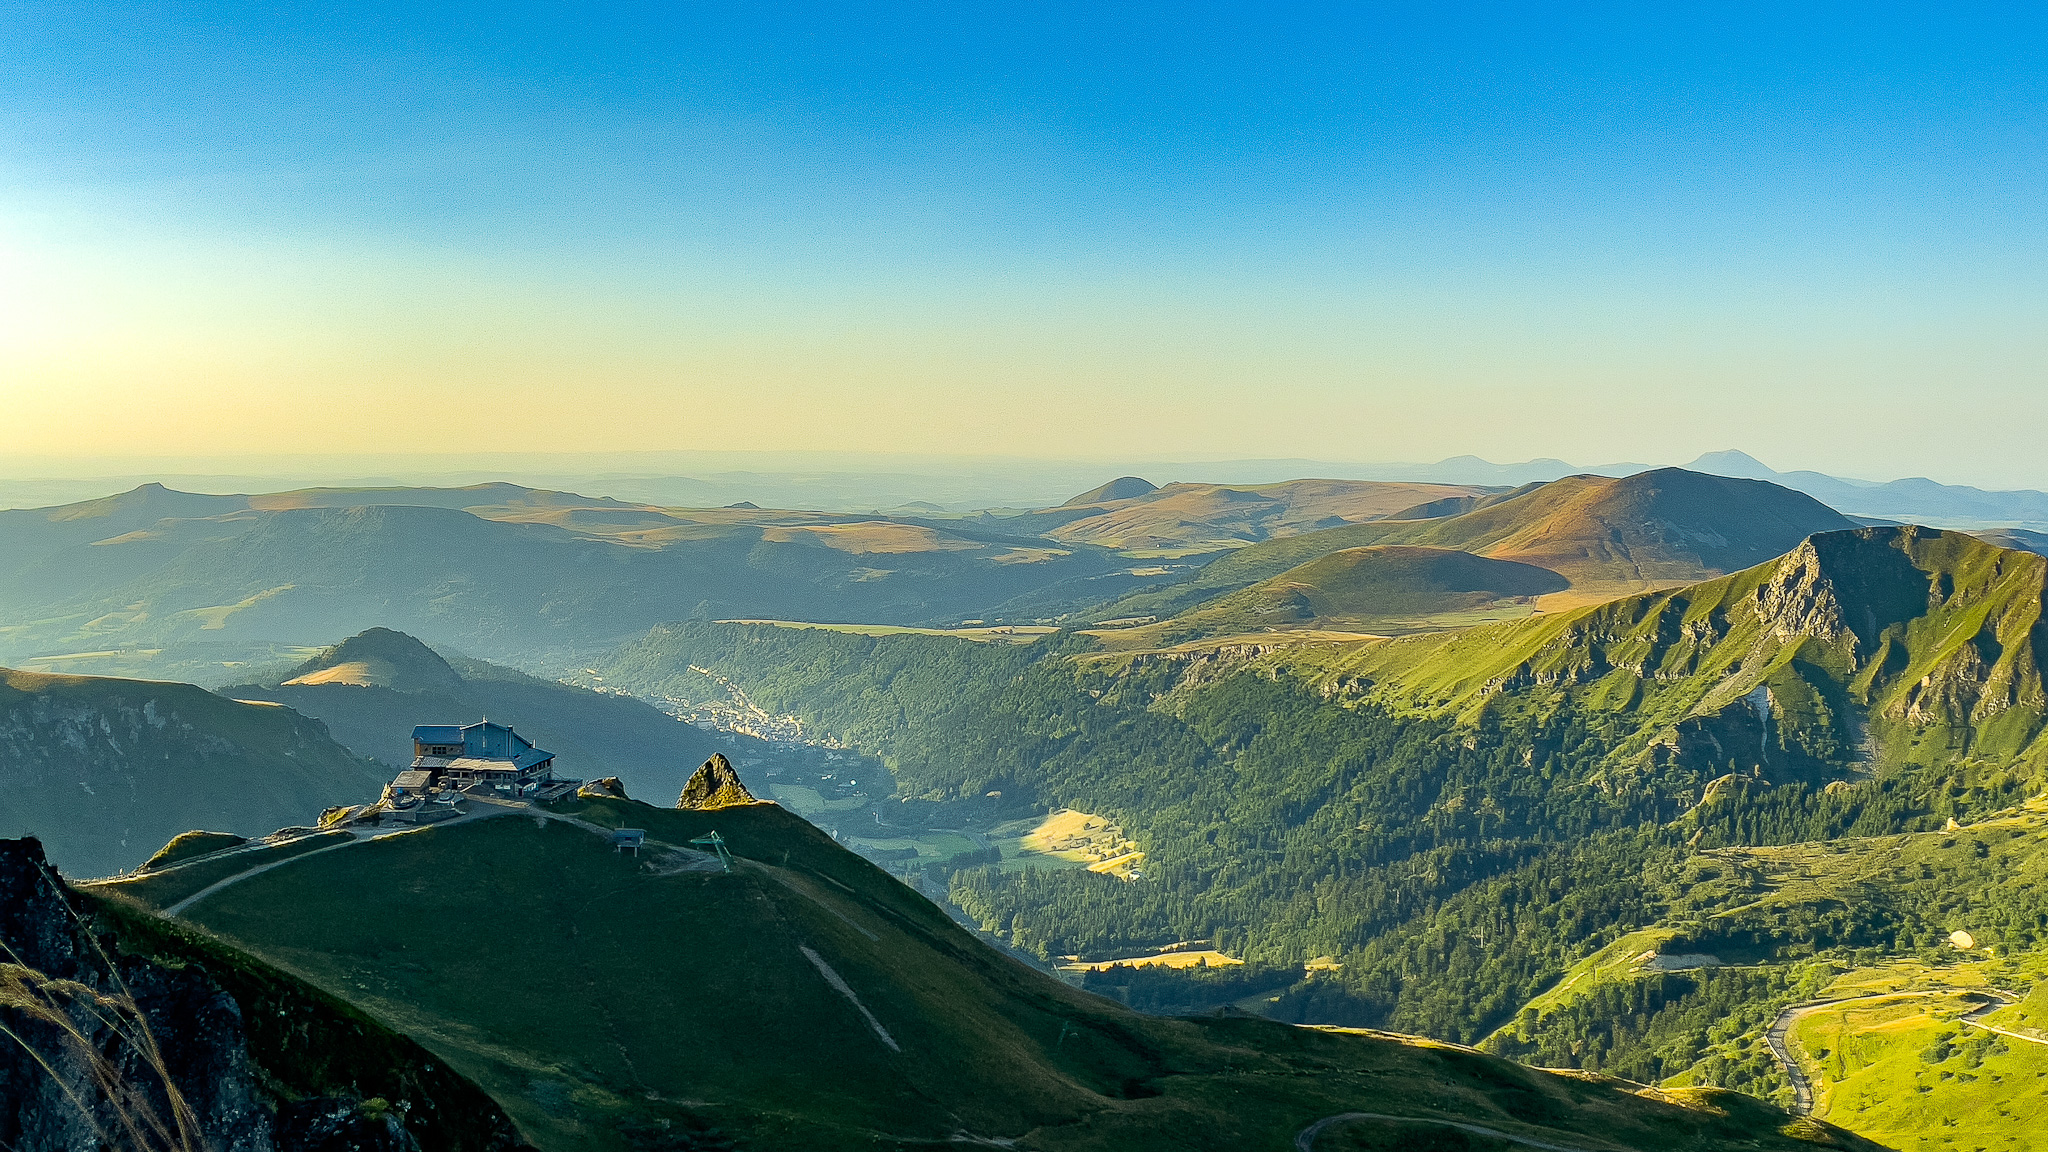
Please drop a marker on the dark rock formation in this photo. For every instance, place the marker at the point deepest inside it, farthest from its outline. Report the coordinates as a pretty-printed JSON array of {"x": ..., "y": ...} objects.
[
  {"x": 715, "y": 785},
  {"x": 609, "y": 786},
  {"x": 83, "y": 1013},
  {"x": 133, "y": 1034},
  {"x": 333, "y": 1124}
]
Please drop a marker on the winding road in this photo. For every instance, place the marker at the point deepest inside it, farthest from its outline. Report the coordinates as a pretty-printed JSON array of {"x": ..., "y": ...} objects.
[{"x": 1778, "y": 1038}]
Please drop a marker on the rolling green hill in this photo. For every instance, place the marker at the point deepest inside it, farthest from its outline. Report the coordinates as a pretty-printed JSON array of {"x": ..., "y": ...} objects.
[
  {"x": 138, "y": 580},
  {"x": 1607, "y": 536},
  {"x": 1911, "y": 1035},
  {"x": 1185, "y": 518},
  {"x": 805, "y": 1000},
  {"x": 1387, "y": 589},
  {"x": 104, "y": 770},
  {"x": 371, "y": 689}
]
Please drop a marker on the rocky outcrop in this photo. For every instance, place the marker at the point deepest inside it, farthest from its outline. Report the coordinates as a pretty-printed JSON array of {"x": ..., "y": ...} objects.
[
  {"x": 1799, "y": 601},
  {"x": 133, "y": 1035},
  {"x": 608, "y": 788},
  {"x": 715, "y": 785}
]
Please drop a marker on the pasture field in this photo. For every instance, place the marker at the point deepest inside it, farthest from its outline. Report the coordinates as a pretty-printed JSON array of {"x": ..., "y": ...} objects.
[
  {"x": 1905, "y": 1071},
  {"x": 1068, "y": 838},
  {"x": 929, "y": 845},
  {"x": 1194, "y": 958},
  {"x": 806, "y": 801}
]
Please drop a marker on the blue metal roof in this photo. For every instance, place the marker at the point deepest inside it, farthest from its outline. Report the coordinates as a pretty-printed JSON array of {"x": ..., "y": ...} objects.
[{"x": 484, "y": 741}]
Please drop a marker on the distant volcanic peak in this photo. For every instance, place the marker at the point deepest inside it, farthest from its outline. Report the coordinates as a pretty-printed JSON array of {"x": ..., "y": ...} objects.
[
  {"x": 151, "y": 501},
  {"x": 379, "y": 658},
  {"x": 715, "y": 785},
  {"x": 1733, "y": 462},
  {"x": 1121, "y": 488}
]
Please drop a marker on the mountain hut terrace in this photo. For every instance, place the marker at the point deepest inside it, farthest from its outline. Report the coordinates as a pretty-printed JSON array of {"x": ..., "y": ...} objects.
[{"x": 450, "y": 758}]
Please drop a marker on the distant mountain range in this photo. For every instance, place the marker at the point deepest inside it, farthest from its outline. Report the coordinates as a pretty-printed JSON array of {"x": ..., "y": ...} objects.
[
  {"x": 1915, "y": 500},
  {"x": 495, "y": 570},
  {"x": 1912, "y": 501},
  {"x": 212, "y": 588},
  {"x": 867, "y": 483},
  {"x": 1132, "y": 516},
  {"x": 1593, "y": 537}
]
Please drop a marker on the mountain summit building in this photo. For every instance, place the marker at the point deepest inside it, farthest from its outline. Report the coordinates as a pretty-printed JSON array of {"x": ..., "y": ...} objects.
[{"x": 454, "y": 758}]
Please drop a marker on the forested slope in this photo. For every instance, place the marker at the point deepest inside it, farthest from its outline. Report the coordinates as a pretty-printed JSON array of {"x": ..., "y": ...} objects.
[{"x": 1458, "y": 820}]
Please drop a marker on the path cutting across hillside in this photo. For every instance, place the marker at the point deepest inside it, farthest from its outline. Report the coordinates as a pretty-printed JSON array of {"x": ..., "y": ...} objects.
[
  {"x": 1305, "y": 1141},
  {"x": 485, "y": 807},
  {"x": 353, "y": 839},
  {"x": 1975, "y": 1017}
]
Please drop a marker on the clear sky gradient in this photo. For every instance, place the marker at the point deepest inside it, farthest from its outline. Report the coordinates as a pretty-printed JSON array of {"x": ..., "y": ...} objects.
[{"x": 1362, "y": 232}]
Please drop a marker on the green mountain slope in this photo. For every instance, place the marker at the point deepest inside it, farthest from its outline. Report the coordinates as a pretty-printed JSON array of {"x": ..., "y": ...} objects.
[
  {"x": 371, "y": 689},
  {"x": 1607, "y": 536},
  {"x": 106, "y": 770},
  {"x": 1457, "y": 820},
  {"x": 1384, "y": 588},
  {"x": 807, "y": 1000},
  {"x": 1877, "y": 646},
  {"x": 1915, "y": 1036}
]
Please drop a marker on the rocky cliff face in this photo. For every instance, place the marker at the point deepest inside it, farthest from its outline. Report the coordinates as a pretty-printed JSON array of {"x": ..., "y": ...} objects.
[
  {"x": 715, "y": 785},
  {"x": 104, "y": 770},
  {"x": 1856, "y": 651},
  {"x": 125, "y": 1042}
]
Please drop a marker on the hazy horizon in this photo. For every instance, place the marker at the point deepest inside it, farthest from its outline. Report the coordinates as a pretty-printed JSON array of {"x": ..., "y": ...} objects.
[{"x": 1404, "y": 234}]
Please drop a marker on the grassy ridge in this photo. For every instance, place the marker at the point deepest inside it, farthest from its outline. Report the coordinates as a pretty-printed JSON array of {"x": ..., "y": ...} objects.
[
  {"x": 1924, "y": 641},
  {"x": 602, "y": 997},
  {"x": 393, "y": 682},
  {"x": 308, "y": 1043},
  {"x": 1605, "y": 536},
  {"x": 1386, "y": 588}
]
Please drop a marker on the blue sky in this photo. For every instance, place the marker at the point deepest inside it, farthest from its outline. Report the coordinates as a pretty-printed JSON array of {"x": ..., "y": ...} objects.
[{"x": 1355, "y": 233}]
